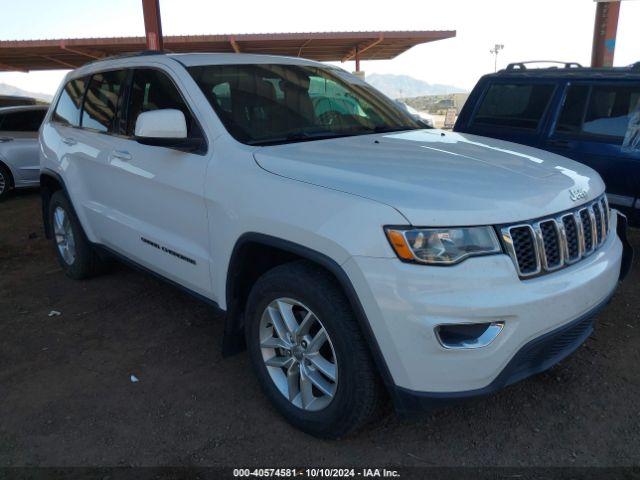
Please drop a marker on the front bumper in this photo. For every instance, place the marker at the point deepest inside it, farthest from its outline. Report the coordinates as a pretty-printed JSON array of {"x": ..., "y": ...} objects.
[
  {"x": 404, "y": 303},
  {"x": 536, "y": 356}
]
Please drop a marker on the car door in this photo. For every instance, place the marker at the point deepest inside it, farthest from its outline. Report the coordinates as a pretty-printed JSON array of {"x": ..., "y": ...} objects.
[
  {"x": 62, "y": 145},
  {"x": 19, "y": 144},
  {"x": 155, "y": 212},
  {"x": 513, "y": 109},
  {"x": 595, "y": 126}
]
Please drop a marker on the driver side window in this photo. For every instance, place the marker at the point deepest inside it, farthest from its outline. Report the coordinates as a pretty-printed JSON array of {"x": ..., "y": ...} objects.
[{"x": 153, "y": 90}]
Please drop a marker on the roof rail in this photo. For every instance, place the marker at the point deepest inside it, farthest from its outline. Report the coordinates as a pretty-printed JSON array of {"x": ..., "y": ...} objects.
[
  {"x": 523, "y": 65},
  {"x": 141, "y": 53}
]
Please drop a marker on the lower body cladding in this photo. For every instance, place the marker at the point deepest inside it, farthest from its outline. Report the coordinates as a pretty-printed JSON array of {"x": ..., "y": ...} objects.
[{"x": 508, "y": 329}]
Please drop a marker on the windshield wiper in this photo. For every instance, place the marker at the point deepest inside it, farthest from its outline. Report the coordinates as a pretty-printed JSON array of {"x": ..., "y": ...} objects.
[
  {"x": 402, "y": 128},
  {"x": 299, "y": 137}
]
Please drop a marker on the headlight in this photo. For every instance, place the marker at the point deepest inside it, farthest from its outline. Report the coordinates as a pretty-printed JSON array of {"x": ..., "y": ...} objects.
[{"x": 442, "y": 246}]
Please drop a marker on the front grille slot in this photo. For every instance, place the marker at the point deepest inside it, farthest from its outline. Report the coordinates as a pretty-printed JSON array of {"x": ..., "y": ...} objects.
[
  {"x": 605, "y": 214},
  {"x": 525, "y": 248},
  {"x": 573, "y": 241},
  {"x": 598, "y": 217},
  {"x": 553, "y": 243},
  {"x": 587, "y": 229}
]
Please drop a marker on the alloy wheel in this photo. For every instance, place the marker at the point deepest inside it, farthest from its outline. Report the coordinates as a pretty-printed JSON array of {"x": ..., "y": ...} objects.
[
  {"x": 298, "y": 354},
  {"x": 64, "y": 235},
  {"x": 3, "y": 183}
]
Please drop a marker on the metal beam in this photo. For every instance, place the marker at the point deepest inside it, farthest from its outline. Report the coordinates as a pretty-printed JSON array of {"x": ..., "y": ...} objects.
[
  {"x": 307, "y": 42},
  {"x": 152, "y": 24},
  {"x": 234, "y": 44},
  {"x": 360, "y": 49},
  {"x": 604, "y": 33},
  {"x": 61, "y": 62},
  {"x": 87, "y": 53},
  {"x": 11, "y": 68}
]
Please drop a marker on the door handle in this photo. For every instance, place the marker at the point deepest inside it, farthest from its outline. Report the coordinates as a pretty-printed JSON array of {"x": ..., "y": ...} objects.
[
  {"x": 5, "y": 139},
  {"x": 121, "y": 155},
  {"x": 69, "y": 141}
]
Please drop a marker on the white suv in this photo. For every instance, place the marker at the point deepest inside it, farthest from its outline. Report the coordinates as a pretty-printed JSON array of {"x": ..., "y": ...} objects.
[{"x": 357, "y": 256}]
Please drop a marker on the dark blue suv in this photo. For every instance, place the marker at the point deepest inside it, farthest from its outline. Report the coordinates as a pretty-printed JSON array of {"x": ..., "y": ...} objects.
[{"x": 591, "y": 115}]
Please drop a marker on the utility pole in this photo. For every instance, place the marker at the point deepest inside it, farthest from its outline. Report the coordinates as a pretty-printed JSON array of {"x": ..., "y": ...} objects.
[
  {"x": 604, "y": 33},
  {"x": 495, "y": 52}
]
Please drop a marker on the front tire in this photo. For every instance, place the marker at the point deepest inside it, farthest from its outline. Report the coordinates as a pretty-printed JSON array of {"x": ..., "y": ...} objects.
[
  {"x": 5, "y": 182},
  {"x": 74, "y": 251},
  {"x": 308, "y": 352}
]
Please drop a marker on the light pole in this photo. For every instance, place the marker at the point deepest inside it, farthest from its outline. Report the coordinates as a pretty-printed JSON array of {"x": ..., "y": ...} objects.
[{"x": 495, "y": 52}]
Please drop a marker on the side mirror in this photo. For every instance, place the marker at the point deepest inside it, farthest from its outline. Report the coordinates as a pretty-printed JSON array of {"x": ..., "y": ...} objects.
[{"x": 164, "y": 128}]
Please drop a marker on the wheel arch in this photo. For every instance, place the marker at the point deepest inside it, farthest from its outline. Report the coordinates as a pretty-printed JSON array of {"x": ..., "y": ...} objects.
[
  {"x": 256, "y": 253},
  {"x": 5, "y": 165},
  {"x": 50, "y": 182}
]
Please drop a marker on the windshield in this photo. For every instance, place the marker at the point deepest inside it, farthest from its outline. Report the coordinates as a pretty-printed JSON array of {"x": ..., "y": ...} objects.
[{"x": 263, "y": 104}]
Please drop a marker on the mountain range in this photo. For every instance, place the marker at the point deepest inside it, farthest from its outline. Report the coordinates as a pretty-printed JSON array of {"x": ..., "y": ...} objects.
[
  {"x": 16, "y": 91},
  {"x": 404, "y": 86}
]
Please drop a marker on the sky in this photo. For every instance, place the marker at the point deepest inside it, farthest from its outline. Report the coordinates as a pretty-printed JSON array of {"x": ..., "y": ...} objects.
[{"x": 528, "y": 29}]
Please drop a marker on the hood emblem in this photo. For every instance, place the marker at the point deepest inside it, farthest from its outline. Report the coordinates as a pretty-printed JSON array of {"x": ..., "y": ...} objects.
[{"x": 576, "y": 194}]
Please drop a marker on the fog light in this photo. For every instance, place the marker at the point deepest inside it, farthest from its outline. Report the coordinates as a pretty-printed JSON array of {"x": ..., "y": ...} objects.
[{"x": 468, "y": 335}]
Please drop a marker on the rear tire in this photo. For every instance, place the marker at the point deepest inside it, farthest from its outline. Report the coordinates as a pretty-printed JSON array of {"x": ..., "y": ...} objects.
[
  {"x": 287, "y": 310},
  {"x": 5, "y": 182},
  {"x": 75, "y": 253}
]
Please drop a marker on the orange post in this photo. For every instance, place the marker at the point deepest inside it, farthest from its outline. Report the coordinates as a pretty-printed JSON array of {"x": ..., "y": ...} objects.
[
  {"x": 604, "y": 33},
  {"x": 152, "y": 24}
]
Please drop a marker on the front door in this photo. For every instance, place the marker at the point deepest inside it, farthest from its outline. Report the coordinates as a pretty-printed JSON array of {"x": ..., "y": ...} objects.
[
  {"x": 156, "y": 214},
  {"x": 595, "y": 126}
]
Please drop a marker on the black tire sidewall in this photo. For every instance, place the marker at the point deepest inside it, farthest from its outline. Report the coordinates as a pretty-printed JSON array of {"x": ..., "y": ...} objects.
[
  {"x": 7, "y": 182},
  {"x": 333, "y": 310}
]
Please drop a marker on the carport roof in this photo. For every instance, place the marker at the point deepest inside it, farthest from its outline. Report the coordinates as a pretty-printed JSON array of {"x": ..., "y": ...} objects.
[{"x": 25, "y": 55}]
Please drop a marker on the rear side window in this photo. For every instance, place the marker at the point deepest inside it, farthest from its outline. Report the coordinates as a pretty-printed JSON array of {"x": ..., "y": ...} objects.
[
  {"x": 101, "y": 101},
  {"x": 154, "y": 90},
  {"x": 572, "y": 113},
  {"x": 514, "y": 105},
  {"x": 599, "y": 111},
  {"x": 69, "y": 105},
  {"x": 25, "y": 121},
  {"x": 610, "y": 110}
]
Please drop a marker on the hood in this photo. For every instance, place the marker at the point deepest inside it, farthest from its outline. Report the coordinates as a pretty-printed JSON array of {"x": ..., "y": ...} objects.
[{"x": 438, "y": 178}]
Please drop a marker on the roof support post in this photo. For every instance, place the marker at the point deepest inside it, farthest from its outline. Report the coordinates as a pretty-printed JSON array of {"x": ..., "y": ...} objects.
[
  {"x": 357, "y": 59},
  {"x": 360, "y": 49},
  {"x": 152, "y": 24},
  {"x": 234, "y": 45},
  {"x": 604, "y": 33}
]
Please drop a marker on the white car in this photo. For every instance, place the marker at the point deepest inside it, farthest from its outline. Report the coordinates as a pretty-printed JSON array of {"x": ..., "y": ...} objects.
[
  {"x": 358, "y": 256},
  {"x": 19, "y": 159},
  {"x": 424, "y": 117}
]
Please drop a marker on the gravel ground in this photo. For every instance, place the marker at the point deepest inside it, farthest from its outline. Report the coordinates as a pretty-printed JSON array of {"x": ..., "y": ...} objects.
[{"x": 66, "y": 398}]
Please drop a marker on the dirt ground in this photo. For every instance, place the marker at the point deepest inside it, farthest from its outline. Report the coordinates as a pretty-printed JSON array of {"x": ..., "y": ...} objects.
[{"x": 67, "y": 399}]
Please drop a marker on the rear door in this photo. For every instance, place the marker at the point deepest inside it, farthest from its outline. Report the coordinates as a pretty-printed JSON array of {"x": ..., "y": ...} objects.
[
  {"x": 19, "y": 144},
  {"x": 155, "y": 212},
  {"x": 513, "y": 109},
  {"x": 599, "y": 125}
]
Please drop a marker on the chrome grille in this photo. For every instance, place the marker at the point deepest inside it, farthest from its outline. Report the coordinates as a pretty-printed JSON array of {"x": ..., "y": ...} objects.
[{"x": 549, "y": 244}]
